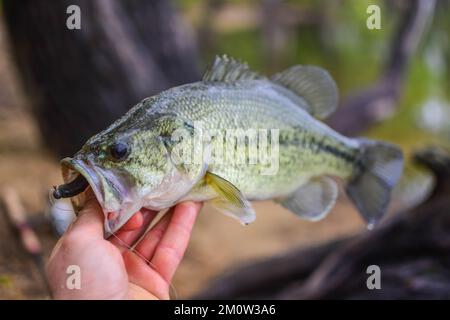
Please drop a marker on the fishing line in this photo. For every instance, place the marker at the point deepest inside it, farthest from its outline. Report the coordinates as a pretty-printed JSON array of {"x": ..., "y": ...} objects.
[
  {"x": 53, "y": 202},
  {"x": 150, "y": 264},
  {"x": 51, "y": 199}
]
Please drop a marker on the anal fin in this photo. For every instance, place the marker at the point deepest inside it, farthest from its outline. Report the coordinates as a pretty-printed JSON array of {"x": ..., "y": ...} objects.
[{"x": 313, "y": 200}]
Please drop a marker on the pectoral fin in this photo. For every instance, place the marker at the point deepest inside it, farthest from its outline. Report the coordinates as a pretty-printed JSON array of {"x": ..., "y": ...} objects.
[
  {"x": 229, "y": 199},
  {"x": 313, "y": 200}
]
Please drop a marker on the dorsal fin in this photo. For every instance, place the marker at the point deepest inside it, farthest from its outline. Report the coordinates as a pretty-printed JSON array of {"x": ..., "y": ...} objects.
[
  {"x": 225, "y": 69},
  {"x": 313, "y": 84}
]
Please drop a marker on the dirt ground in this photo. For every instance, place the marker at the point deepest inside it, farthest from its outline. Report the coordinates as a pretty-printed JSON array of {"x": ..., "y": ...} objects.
[{"x": 218, "y": 242}]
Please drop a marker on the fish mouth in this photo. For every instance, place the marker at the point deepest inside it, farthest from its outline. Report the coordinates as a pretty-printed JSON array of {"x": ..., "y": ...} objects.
[
  {"x": 75, "y": 169},
  {"x": 114, "y": 192}
]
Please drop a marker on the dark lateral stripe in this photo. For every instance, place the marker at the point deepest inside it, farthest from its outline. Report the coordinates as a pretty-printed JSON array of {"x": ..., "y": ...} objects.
[
  {"x": 317, "y": 145},
  {"x": 346, "y": 156}
]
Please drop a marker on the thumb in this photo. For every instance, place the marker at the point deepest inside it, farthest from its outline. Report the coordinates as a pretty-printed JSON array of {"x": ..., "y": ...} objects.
[{"x": 90, "y": 219}]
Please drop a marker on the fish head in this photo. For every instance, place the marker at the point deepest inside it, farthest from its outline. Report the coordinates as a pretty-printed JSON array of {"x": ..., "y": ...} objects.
[{"x": 130, "y": 167}]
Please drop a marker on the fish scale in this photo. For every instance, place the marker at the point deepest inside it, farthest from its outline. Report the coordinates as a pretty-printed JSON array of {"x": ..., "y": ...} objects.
[
  {"x": 141, "y": 160},
  {"x": 258, "y": 105}
]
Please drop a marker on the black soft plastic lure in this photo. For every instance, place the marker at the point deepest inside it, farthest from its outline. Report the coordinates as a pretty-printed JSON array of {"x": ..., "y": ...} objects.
[{"x": 71, "y": 189}]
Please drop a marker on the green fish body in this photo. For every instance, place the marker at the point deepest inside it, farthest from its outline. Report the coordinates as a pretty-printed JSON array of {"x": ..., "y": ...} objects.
[{"x": 231, "y": 138}]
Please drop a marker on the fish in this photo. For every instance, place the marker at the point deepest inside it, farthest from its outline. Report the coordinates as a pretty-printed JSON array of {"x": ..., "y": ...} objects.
[{"x": 234, "y": 137}]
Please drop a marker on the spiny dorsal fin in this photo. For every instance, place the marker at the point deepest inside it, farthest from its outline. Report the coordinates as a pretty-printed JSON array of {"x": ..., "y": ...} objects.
[
  {"x": 313, "y": 84},
  {"x": 225, "y": 69}
]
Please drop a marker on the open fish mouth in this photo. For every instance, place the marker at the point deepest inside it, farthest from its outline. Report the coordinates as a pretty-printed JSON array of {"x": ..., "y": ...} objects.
[
  {"x": 78, "y": 175},
  {"x": 112, "y": 190}
]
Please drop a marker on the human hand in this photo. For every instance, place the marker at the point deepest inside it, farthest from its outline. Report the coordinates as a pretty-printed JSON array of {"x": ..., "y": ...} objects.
[{"x": 108, "y": 268}]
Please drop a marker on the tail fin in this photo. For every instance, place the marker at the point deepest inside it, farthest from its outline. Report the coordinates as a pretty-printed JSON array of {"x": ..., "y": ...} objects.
[{"x": 381, "y": 166}]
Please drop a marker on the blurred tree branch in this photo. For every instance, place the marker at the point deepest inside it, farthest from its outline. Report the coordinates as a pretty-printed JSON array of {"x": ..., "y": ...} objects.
[
  {"x": 362, "y": 109},
  {"x": 80, "y": 81}
]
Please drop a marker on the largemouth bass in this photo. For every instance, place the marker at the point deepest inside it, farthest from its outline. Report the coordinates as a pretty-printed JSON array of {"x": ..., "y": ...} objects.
[{"x": 233, "y": 137}]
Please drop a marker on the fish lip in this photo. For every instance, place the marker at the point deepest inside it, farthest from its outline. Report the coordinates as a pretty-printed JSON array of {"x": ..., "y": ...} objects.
[
  {"x": 127, "y": 201},
  {"x": 71, "y": 167}
]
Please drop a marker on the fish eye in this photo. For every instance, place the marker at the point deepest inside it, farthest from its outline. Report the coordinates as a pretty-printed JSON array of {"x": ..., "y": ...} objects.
[{"x": 119, "y": 150}]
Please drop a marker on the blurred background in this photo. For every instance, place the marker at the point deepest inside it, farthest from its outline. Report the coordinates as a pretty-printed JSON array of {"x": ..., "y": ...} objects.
[{"x": 60, "y": 86}]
